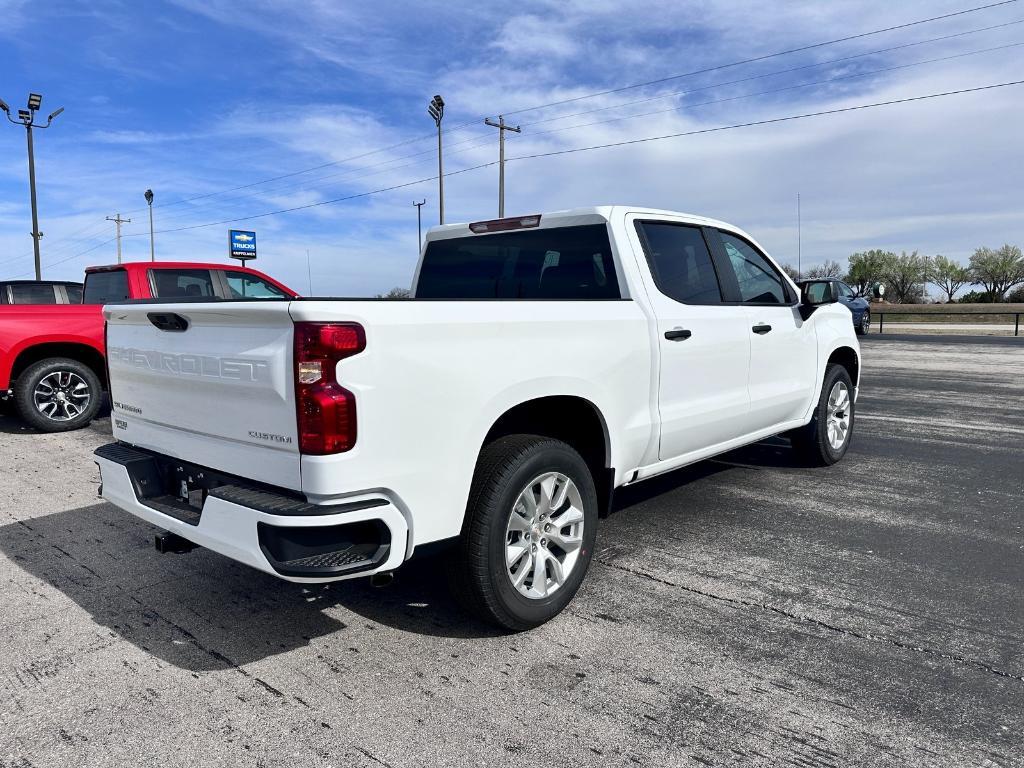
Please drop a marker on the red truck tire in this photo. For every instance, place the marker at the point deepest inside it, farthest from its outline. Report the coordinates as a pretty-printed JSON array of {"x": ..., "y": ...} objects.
[{"x": 58, "y": 394}]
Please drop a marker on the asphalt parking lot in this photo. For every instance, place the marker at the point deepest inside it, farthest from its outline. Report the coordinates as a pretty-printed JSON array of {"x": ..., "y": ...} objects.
[{"x": 741, "y": 611}]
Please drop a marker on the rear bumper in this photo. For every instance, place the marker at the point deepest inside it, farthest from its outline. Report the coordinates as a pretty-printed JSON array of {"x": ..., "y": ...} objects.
[{"x": 279, "y": 535}]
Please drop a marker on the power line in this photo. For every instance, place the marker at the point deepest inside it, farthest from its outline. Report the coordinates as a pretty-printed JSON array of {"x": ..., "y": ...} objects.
[
  {"x": 684, "y": 107},
  {"x": 769, "y": 121},
  {"x": 764, "y": 57},
  {"x": 789, "y": 70},
  {"x": 593, "y": 95},
  {"x": 753, "y": 123},
  {"x": 787, "y": 118}
]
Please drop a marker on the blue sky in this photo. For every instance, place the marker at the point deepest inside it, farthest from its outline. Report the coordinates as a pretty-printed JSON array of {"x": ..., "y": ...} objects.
[{"x": 193, "y": 97}]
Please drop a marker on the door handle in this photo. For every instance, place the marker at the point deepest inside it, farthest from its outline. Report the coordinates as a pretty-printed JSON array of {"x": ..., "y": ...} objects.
[
  {"x": 678, "y": 334},
  {"x": 761, "y": 329}
]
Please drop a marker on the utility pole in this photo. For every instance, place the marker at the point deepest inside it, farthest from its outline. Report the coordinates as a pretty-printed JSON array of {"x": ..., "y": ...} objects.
[
  {"x": 118, "y": 221},
  {"x": 419, "y": 221},
  {"x": 799, "y": 271},
  {"x": 500, "y": 125},
  {"x": 436, "y": 110},
  {"x": 149, "y": 201},
  {"x": 27, "y": 118}
]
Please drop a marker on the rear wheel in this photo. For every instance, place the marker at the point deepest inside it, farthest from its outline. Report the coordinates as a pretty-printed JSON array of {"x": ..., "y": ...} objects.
[
  {"x": 826, "y": 438},
  {"x": 58, "y": 394},
  {"x": 529, "y": 532}
]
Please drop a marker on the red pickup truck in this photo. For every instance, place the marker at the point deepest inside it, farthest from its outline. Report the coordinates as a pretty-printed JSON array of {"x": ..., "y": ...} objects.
[{"x": 51, "y": 356}]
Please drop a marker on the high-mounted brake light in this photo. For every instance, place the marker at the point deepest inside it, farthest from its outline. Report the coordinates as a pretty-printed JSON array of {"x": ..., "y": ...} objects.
[
  {"x": 325, "y": 410},
  {"x": 503, "y": 225}
]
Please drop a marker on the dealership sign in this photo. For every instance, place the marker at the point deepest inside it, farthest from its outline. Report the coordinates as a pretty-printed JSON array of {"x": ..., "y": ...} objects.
[{"x": 241, "y": 244}]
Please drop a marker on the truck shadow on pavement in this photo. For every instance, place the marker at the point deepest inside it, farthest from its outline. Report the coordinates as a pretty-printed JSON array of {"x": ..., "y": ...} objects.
[{"x": 203, "y": 612}]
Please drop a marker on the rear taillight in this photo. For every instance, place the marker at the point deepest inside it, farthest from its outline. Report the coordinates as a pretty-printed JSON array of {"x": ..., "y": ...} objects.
[{"x": 326, "y": 411}]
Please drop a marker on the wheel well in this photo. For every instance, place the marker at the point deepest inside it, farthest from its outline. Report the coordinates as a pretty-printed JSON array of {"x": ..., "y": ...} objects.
[
  {"x": 572, "y": 420},
  {"x": 846, "y": 357},
  {"x": 83, "y": 353}
]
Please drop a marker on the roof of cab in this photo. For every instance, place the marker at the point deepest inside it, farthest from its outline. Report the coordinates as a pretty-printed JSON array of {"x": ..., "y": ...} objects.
[{"x": 574, "y": 217}]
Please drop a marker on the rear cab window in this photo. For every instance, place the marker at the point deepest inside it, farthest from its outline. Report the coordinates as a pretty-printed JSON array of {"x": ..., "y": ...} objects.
[
  {"x": 177, "y": 283},
  {"x": 106, "y": 287},
  {"x": 680, "y": 262},
  {"x": 570, "y": 263}
]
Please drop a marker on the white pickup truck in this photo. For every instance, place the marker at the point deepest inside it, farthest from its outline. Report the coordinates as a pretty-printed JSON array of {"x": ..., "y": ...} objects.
[{"x": 542, "y": 362}]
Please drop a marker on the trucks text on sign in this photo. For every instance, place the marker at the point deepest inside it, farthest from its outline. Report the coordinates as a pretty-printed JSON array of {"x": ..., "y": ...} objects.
[{"x": 241, "y": 244}]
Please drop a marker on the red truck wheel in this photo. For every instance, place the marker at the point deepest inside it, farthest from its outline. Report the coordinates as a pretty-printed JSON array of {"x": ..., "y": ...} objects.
[{"x": 58, "y": 394}]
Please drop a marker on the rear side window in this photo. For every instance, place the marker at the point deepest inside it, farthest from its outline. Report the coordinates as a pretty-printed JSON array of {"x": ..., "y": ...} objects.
[
  {"x": 74, "y": 294},
  {"x": 558, "y": 263},
  {"x": 759, "y": 281},
  {"x": 106, "y": 287},
  {"x": 680, "y": 262},
  {"x": 242, "y": 285},
  {"x": 175, "y": 283},
  {"x": 33, "y": 293}
]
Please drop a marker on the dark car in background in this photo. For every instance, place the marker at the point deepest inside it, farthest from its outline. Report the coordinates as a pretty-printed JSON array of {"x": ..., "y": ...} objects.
[
  {"x": 858, "y": 305},
  {"x": 40, "y": 292}
]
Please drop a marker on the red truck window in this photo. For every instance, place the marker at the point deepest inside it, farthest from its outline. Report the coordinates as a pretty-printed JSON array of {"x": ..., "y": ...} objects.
[
  {"x": 242, "y": 285},
  {"x": 107, "y": 287},
  {"x": 169, "y": 283}
]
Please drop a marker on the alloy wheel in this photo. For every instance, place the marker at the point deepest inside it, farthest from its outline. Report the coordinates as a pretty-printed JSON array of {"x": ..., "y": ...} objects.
[
  {"x": 62, "y": 396},
  {"x": 838, "y": 424},
  {"x": 544, "y": 535}
]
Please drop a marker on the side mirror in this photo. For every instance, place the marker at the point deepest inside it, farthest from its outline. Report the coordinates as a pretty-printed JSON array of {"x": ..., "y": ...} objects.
[{"x": 815, "y": 293}]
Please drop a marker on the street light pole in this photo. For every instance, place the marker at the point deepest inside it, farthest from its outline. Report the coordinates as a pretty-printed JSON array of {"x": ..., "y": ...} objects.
[
  {"x": 419, "y": 221},
  {"x": 27, "y": 118},
  {"x": 436, "y": 110},
  {"x": 500, "y": 125},
  {"x": 149, "y": 201}
]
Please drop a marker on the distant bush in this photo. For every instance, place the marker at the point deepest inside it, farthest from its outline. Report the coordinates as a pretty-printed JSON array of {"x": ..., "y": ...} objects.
[
  {"x": 1017, "y": 296},
  {"x": 975, "y": 297}
]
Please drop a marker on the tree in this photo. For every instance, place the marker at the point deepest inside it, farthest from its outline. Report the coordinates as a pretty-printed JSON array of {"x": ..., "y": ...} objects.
[
  {"x": 998, "y": 270},
  {"x": 906, "y": 274},
  {"x": 867, "y": 268},
  {"x": 790, "y": 270},
  {"x": 949, "y": 276},
  {"x": 1016, "y": 296},
  {"x": 395, "y": 293},
  {"x": 830, "y": 269}
]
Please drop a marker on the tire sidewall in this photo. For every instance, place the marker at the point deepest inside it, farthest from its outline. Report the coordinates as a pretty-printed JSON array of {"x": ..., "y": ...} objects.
[
  {"x": 834, "y": 374},
  {"x": 548, "y": 457},
  {"x": 865, "y": 323},
  {"x": 30, "y": 378}
]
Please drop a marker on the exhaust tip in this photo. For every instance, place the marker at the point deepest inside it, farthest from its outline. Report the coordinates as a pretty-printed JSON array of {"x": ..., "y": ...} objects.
[{"x": 382, "y": 579}]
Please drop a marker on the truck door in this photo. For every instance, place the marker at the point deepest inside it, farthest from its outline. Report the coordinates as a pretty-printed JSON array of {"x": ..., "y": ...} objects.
[
  {"x": 703, "y": 343},
  {"x": 783, "y": 346}
]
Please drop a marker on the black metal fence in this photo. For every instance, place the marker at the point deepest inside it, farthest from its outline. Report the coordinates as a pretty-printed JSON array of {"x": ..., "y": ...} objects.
[{"x": 881, "y": 317}]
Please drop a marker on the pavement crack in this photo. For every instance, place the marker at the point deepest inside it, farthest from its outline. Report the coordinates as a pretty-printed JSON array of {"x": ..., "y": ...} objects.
[
  {"x": 369, "y": 754},
  {"x": 738, "y": 602}
]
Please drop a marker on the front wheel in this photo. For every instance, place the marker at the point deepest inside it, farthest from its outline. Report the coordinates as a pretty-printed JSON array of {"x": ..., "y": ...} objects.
[
  {"x": 58, "y": 394},
  {"x": 865, "y": 323},
  {"x": 826, "y": 438},
  {"x": 529, "y": 532}
]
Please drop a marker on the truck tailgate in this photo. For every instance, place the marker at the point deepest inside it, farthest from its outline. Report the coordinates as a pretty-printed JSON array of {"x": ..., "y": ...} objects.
[{"x": 210, "y": 383}]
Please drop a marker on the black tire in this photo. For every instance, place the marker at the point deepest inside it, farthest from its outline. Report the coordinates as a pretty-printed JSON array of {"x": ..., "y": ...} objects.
[
  {"x": 477, "y": 572},
  {"x": 29, "y": 381},
  {"x": 811, "y": 442},
  {"x": 865, "y": 323}
]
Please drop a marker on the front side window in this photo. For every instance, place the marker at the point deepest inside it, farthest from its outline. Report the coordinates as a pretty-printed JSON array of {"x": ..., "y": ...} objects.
[
  {"x": 106, "y": 287},
  {"x": 845, "y": 291},
  {"x": 759, "y": 282},
  {"x": 242, "y": 285},
  {"x": 33, "y": 293},
  {"x": 680, "y": 262},
  {"x": 74, "y": 294},
  {"x": 175, "y": 283},
  {"x": 557, "y": 263}
]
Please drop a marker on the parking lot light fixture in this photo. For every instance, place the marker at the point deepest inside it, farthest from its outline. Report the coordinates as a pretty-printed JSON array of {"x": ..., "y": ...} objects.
[
  {"x": 26, "y": 117},
  {"x": 436, "y": 110}
]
